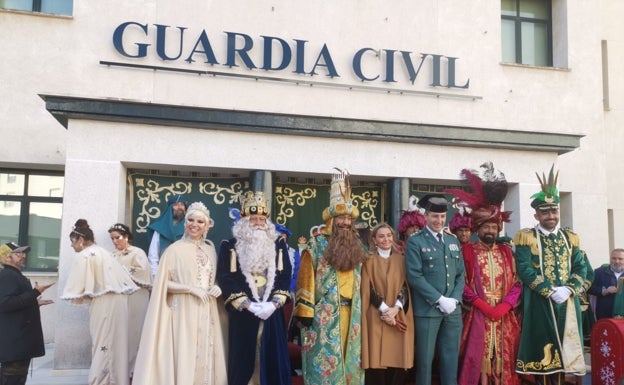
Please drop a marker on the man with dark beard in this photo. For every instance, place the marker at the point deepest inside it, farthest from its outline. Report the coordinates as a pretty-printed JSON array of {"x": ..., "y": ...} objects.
[
  {"x": 166, "y": 230},
  {"x": 254, "y": 273},
  {"x": 491, "y": 331},
  {"x": 328, "y": 301}
]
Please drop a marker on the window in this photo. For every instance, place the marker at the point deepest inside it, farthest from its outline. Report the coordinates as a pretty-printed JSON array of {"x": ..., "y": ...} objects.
[
  {"x": 31, "y": 204},
  {"x": 56, "y": 7},
  {"x": 526, "y": 30}
]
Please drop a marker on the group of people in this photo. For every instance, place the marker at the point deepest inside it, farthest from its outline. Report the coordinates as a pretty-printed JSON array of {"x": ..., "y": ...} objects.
[
  {"x": 370, "y": 311},
  {"x": 170, "y": 327},
  {"x": 466, "y": 303}
]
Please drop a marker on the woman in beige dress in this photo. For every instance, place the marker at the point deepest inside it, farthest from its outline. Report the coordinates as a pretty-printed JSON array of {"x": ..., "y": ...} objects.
[
  {"x": 182, "y": 341},
  {"x": 135, "y": 261},
  {"x": 97, "y": 279}
]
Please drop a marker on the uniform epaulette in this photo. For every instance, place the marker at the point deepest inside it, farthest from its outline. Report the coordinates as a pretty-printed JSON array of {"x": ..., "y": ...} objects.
[
  {"x": 575, "y": 241},
  {"x": 526, "y": 237}
]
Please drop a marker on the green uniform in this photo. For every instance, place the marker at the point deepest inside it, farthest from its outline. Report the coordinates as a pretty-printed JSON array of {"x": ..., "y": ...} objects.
[
  {"x": 435, "y": 270},
  {"x": 543, "y": 264}
]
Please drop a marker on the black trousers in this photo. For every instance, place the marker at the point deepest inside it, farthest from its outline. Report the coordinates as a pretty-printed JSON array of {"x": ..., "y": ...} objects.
[
  {"x": 14, "y": 372},
  {"x": 389, "y": 376}
]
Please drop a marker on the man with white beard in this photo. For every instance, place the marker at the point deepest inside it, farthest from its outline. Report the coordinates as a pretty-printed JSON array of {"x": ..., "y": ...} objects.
[
  {"x": 254, "y": 273},
  {"x": 605, "y": 285}
]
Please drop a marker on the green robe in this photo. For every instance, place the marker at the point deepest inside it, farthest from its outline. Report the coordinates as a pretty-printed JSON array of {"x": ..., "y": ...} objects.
[
  {"x": 318, "y": 298},
  {"x": 541, "y": 266}
]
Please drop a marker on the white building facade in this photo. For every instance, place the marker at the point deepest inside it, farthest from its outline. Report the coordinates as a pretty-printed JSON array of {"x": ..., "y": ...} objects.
[{"x": 402, "y": 96}]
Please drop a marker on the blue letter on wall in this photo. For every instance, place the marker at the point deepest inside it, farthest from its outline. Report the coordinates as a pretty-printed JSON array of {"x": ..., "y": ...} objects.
[
  {"x": 118, "y": 40},
  {"x": 242, "y": 52},
  {"x": 357, "y": 64}
]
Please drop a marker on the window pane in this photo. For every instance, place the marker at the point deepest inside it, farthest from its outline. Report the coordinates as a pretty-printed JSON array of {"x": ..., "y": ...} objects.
[
  {"x": 12, "y": 184},
  {"x": 44, "y": 228},
  {"x": 534, "y": 44},
  {"x": 508, "y": 36},
  {"x": 45, "y": 186},
  {"x": 22, "y": 5},
  {"x": 508, "y": 7},
  {"x": 536, "y": 9},
  {"x": 9, "y": 221},
  {"x": 57, "y": 7}
]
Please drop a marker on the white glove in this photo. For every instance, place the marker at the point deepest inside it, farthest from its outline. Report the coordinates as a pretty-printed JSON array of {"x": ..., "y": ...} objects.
[
  {"x": 560, "y": 294},
  {"x": 266, "y": 309},
  {"x": 199, "y": 293},
  {"x": 214, "y": 291},
  {"x": 254, "y": 307},
  {"x": 447, "y": 305}
]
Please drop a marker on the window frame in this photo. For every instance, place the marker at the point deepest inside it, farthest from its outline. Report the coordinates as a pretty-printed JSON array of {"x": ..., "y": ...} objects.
[
  {"x": 25, "y": 200},
  {"x": 37, "y": 6},
  {"x": 518, "y": 20}
]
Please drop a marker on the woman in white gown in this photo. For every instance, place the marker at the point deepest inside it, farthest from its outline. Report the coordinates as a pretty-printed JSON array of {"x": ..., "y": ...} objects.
[
  {"x": 98, "y": 280},
  {"x": 135, "y": 261},
  {"x": 182, "y": 341}
]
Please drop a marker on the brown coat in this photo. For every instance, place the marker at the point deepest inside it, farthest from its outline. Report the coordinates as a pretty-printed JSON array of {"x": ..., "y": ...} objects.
[{"x": 383, "y": 345}]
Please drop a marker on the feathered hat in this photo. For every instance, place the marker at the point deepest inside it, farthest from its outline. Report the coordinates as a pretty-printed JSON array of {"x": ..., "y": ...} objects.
[
  {"x": 548, "y": 197},
  {"x": 412, "y": 216},
  {"x": 340, "y": 202},
  {"x": 488, "y": 190},
  {"x": 254, "y": 203},
  {"x": 461, "y": 218}
]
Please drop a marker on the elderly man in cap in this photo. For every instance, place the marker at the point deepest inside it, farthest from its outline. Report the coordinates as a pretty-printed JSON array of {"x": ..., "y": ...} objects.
[
  {"x": 254, "y": 273},
  {"x": 550, "y": 265},
  {"x": 21, "y": 337},
  {"x": 328, "y": 302},
  {"x": 435, "y": 271},
  {"x": 166, "y": 230}
]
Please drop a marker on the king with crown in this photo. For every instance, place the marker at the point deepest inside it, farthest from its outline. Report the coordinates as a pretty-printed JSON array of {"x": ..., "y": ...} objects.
[
  {"x": 328, "y": 304},
  {"x": 551, "y": 268},
  {"x": 254, "y": 273}
]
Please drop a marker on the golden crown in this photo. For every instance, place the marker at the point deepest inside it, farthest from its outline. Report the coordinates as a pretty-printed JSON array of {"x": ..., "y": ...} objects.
[{"x": 254, "y": 202}]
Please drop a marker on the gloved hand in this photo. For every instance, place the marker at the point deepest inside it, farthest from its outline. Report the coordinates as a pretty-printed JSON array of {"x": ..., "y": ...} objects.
[
  {"x": 485, "y": 308},
  {"x": 214, "y": 291},
  {"x": 266, "y": 309},
  {"x": 447, "y": 305},
  {"x": 560, "y": 294},
  {"x": 254, "y": 307},
  {"x": 500, "y": 310},
  {"x": 199, "y": 293}
]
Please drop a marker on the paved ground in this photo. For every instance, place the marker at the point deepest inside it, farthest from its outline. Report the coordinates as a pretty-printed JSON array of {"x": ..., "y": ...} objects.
[{"x": 42, "y": 372}]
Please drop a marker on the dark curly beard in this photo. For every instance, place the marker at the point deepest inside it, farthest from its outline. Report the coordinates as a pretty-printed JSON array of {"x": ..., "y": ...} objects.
[{"x": 344, "y": 251}]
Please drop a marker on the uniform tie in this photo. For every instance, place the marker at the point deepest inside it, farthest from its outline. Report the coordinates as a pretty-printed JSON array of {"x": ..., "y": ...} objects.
[{"x": 440, "y": 239}]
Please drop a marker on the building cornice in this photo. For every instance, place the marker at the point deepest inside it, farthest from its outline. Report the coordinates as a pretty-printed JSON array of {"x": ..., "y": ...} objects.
[{"x": 64, "y": 108}]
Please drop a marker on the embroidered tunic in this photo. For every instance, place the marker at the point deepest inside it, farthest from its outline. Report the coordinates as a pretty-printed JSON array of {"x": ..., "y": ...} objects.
[
  {"x": 551, "y": 338},
  {"x": 335, "y": 318}
]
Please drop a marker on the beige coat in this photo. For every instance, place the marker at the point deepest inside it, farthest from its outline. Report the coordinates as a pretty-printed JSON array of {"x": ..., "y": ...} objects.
[{"x": 384, "y": 346}]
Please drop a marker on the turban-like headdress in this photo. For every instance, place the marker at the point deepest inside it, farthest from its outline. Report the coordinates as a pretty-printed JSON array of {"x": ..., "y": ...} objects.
[{"x": 488, "y": 190}]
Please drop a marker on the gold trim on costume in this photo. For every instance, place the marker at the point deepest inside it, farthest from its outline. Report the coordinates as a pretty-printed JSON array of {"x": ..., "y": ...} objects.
[
  {"x": 235, "y": 296},
  {"x": 232, "y": 260}
]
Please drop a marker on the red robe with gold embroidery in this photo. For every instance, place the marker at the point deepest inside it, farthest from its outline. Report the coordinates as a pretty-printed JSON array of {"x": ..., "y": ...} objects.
[{"x": 489, "y": 346}]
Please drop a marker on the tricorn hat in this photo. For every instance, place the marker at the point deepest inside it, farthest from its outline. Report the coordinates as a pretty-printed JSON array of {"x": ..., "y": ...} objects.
[{"x": 436, "y": 203}]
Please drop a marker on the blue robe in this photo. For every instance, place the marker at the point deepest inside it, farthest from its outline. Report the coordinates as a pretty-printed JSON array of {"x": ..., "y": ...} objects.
[{"x": 244, "y": 326}]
